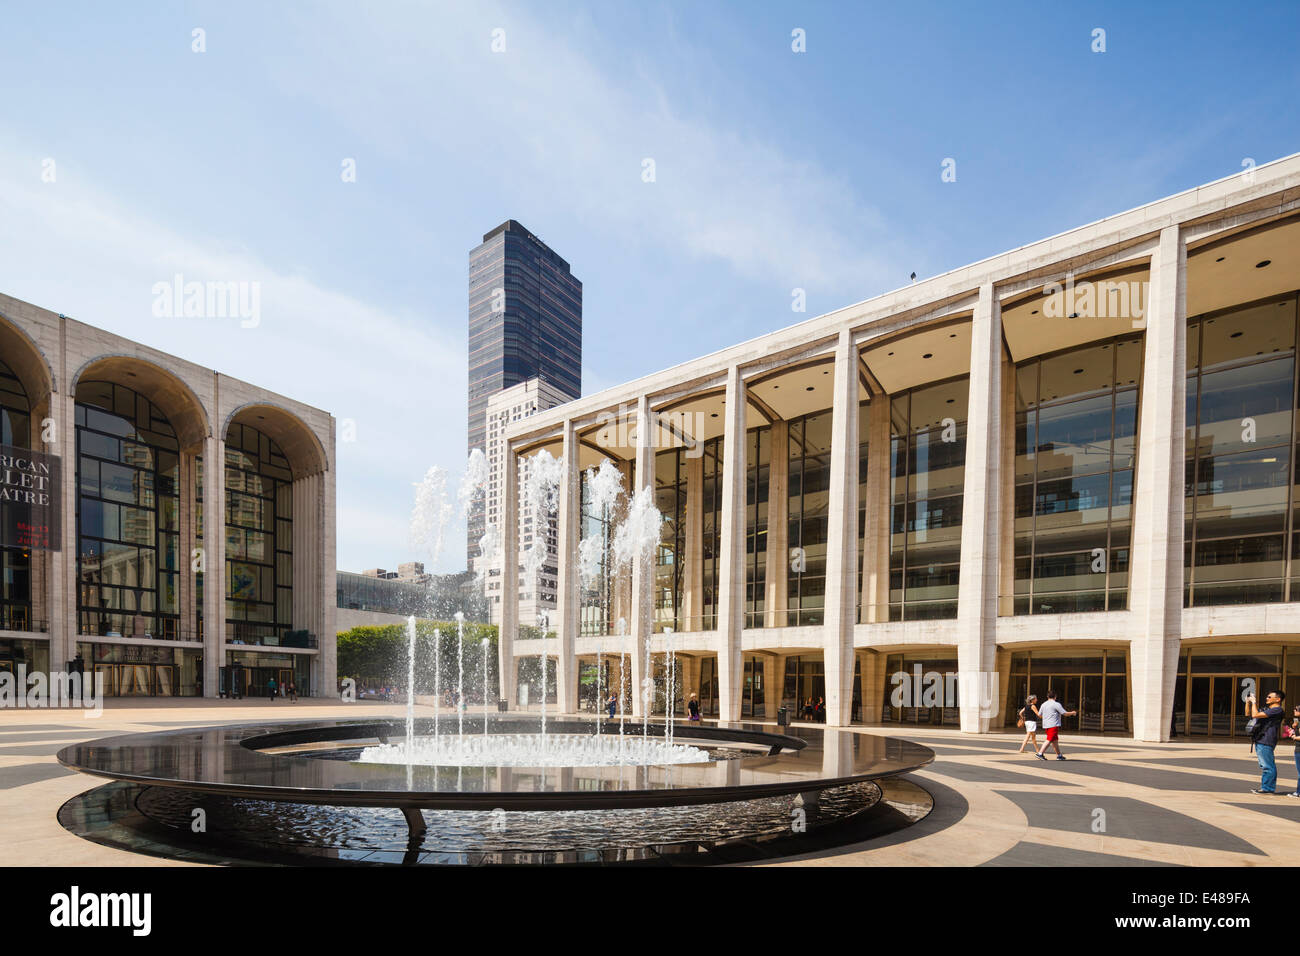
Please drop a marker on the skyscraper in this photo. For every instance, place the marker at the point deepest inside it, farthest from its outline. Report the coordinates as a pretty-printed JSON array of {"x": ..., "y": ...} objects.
[{"x": 525, "y": 321}]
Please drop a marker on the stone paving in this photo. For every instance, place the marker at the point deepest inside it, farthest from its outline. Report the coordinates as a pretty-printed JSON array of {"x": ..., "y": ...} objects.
[{"x": 1114, "y": 802}]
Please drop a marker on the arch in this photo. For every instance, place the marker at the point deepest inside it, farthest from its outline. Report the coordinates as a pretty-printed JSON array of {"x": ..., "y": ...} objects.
[
  {"x": 175, "y": 399},
  {"x": 29, "y": 364},
  {"x": 298, "y": 442}
]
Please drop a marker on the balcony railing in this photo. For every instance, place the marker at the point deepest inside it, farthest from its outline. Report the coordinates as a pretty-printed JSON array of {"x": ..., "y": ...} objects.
[{"x": 18, "y": 617}]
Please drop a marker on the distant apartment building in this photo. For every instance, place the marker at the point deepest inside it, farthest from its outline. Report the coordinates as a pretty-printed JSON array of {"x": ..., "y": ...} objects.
[
  {"x": 512, "y": 405},
  {"x": 525, "y": 322},
  {"x": 378, "y": 596}
]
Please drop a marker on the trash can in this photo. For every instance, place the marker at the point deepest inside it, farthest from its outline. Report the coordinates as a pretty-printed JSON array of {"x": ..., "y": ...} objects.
[
  {"x": 502, "y": 704},
  {"x": 783, "y": 716}
]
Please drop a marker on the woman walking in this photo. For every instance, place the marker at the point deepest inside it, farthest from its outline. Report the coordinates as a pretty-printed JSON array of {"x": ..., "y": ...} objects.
[{"x": 1029, "y": 717}]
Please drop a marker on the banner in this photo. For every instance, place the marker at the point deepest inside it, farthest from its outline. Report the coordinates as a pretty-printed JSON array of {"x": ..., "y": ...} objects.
[{"x": 29, "y": 499}]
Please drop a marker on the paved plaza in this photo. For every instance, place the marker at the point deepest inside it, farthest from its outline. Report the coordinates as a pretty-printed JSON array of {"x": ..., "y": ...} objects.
[{"x": 1114, "y": 802}]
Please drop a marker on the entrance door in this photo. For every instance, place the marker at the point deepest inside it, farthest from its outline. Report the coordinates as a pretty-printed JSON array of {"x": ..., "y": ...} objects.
[
  {"x": 1221, "y": 706},
  {"x": 164, "y": 677}
]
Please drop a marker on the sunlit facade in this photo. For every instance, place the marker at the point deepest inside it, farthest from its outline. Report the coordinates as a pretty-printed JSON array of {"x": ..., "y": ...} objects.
[
  {"x": 1069, "y": 467},
  {"x": 196, "y": 554}
]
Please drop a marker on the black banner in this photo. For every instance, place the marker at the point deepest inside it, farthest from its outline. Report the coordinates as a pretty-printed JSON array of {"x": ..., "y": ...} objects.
[{"x": 29, "y": 499}]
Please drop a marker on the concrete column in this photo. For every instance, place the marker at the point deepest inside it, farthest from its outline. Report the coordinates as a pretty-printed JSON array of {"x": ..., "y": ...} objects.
[
  {"x": 42, "y": 561},
  {"x": 731, "y": 559},
  {"x": 777, "y": 596},
  {"x": 693, "y": 598},
  {"x": 842, "y": 537},
  {"x": 771, "y": 694},
  {"x": 327, "y": 627},
  {"x": 1156, "y": 570},
  {"x": 620, "y": 585},
  {"x": 567, "y": 598},
  {"x": 509, "y": 576},
  {"x": 1004, "y": 683},
  {"x": 873, "y": 686},
  {"x": 213, "y": 561},
  {"x": 977, "y": 592},
  {"x": 875, "y": 538},
  {"x": 643, "y": 568}
]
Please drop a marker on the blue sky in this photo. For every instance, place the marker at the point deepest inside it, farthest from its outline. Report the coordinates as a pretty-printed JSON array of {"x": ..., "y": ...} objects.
[{"x": 775, "y": 170}]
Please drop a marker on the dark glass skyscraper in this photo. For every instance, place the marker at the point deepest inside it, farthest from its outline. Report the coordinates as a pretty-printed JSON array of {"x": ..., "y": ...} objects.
[{"x": 525, "y": 321}]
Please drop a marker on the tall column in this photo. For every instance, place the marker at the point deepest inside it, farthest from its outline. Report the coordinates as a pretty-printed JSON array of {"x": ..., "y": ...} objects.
[
  {"x": 1007, "y": 490},
  {"x": 620, "y": 585},
  {"x": 777, "y": 597},
  {"x": 875, "y": 538},
  {"x": 873, "y": 686},
  {"x": 566, "y": 596},
  {"x": 185, "y": 519},
  {"x": 731, "y": 546},
  {"x": 213, "y": 561},
  {"x": 693, "y": 600},
  {"x": 842, "y": 537},
  {"x": 771, "y": 696},
  {"x": 977, "y": 593},
  {"x": 1156, "y": 570},
  {"x": 327, "y": 629},
  {"x": 509, "y": 575},
  {"x": 643, "y": 568}
]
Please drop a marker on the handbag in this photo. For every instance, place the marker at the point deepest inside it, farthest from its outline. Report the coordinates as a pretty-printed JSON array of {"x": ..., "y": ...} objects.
[
  {"x": 1020, "y": 722},
  {"x": 1288, "y": 730}
]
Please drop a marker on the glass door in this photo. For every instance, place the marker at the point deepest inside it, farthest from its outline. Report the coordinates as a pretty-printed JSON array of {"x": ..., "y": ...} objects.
[
  {"x": 1221, "y": 700},
  {"x": 164, "y": 676},
  {"x": 1198, "y": 709}
]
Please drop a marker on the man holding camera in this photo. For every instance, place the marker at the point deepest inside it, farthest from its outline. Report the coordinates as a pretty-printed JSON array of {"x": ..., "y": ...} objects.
[{"x": 1267, "y": 728}]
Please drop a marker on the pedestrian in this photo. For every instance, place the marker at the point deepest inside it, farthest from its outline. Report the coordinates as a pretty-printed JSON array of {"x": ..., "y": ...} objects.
[
  {"x": 270, "y": 688},
  {"x": 612, "y": 704},
  {"x": 808, "y": 710},
  {"x": 1052, "y": 712},
  {"x": 1029, "y": 718},
  {"x": 1292, "y": 731},
  {"x": 693, "y": 705},
  {"x": 1264, "y": 736},
  {"x": 293, "y": 692},
  {"x": 820, "y": 712}
]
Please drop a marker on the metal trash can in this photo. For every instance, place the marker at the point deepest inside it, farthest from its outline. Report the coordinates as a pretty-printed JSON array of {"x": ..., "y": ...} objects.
[
  {"x": 502, "y": 704},
  {"x": 783, "y": 717}
]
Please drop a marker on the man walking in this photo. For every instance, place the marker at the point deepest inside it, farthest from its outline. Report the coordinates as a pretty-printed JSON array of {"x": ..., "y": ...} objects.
[
  {"x": 1268, "y": 723},
  {"x": 1052, "y": 712}
]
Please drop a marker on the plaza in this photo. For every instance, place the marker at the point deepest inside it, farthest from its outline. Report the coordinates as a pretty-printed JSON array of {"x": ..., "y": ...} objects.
[{"x": 1180, "y": 804}]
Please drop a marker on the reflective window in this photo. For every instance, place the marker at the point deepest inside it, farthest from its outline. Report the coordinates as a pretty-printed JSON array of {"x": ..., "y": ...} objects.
[
  {"x": 1239, "y": 498},
  {"x": 809, "y": 482},
  {"x": 15, "y": 563},
  {"x": 1076, "y": 418},
  {"x": 259, "y": 539},
  {"x": 128, "y": 516},
  {"x": 927, "y": 460}
]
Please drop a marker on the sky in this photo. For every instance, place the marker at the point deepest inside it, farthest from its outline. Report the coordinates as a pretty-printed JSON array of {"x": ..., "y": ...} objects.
[{"x": 128, "y": 156}]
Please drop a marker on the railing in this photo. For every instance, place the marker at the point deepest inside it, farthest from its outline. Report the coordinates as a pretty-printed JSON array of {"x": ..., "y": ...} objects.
[
  {"x": 18, "y": 617},
  {"x": 245, "y": 635}
]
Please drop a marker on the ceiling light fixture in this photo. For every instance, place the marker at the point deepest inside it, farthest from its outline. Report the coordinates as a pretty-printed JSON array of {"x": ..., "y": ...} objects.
[{"x": 1266, "y": 262}]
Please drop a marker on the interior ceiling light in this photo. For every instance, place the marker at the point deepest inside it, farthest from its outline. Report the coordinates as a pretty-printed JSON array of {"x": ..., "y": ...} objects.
[
  {"x": 1235, "y": 335},
  {"x": 1220, "y": 259},
  {"x": 1266, "y": 262},
  {"x": 928, "y": 355}
]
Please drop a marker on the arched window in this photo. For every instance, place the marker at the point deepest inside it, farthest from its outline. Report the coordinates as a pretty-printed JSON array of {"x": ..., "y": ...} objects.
[
  {"x": 15, "y": 563},
  {"x": 128, "y": 514},
  {"x": 259, "y": 538}
]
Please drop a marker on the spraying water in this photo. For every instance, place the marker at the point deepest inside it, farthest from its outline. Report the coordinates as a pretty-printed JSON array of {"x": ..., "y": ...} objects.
[
  {"x": 460, "y": 673},
  {"x": 410, "y": 682}
]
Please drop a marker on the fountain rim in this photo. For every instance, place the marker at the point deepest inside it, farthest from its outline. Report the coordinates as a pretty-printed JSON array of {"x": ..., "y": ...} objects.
[{"x": 252, "y": 739}]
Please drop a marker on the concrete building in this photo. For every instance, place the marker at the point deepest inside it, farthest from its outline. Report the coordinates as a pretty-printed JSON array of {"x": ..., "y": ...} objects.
[
  {"x": 512, "y": 405},
  {"x": 390, "y": 597},
  {"x": 1069, "y": 466},
  {"x": 525, "y": 322},
  {"x": 133, "y": 580}
]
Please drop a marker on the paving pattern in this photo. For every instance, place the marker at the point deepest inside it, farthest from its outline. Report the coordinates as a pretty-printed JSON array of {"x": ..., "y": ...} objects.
[{"x": 1112, "y": 803}]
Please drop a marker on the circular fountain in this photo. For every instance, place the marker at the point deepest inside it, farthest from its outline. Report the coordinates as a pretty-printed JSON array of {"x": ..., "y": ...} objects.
[{"x": 498, "y": 791}]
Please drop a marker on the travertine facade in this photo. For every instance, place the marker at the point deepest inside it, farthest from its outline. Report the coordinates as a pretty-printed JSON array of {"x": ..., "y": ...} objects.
[
  {"x": 50, "y": 355},
  {"x": 955, "y": 545}
]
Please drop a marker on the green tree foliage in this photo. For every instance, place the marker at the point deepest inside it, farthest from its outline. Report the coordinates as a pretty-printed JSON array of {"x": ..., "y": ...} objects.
[{"x": 376, "y": 654}]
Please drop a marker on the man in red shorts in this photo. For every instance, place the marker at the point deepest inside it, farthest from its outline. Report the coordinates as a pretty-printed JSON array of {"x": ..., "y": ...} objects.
[{"x": 1052, "y": 712}]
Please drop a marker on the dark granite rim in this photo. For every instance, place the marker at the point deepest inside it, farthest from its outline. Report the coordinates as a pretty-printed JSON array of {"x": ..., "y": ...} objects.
[{"x": 230, "y": 760}]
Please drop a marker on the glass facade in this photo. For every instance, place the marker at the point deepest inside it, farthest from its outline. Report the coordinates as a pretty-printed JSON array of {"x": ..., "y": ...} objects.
[
  {"x": 921, "y": 689},
  {"x": 711, "y": 517},
  {"x": 259, "y": 539},
  {"x": 1241, "y": 529},
  {"x": 758, "y": 458},
  {"x": 927, "y": 459},
  {"x": 670, "y": 558},
  {"x": 596, "y": 597},
  {"x": 810, "y": 483},
  {"x": 1076, "y": 427},
  {"x": 127, "y": 516},
  {"x": 1094, "y": 683},
  {"x": 15, "y": 563}
]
